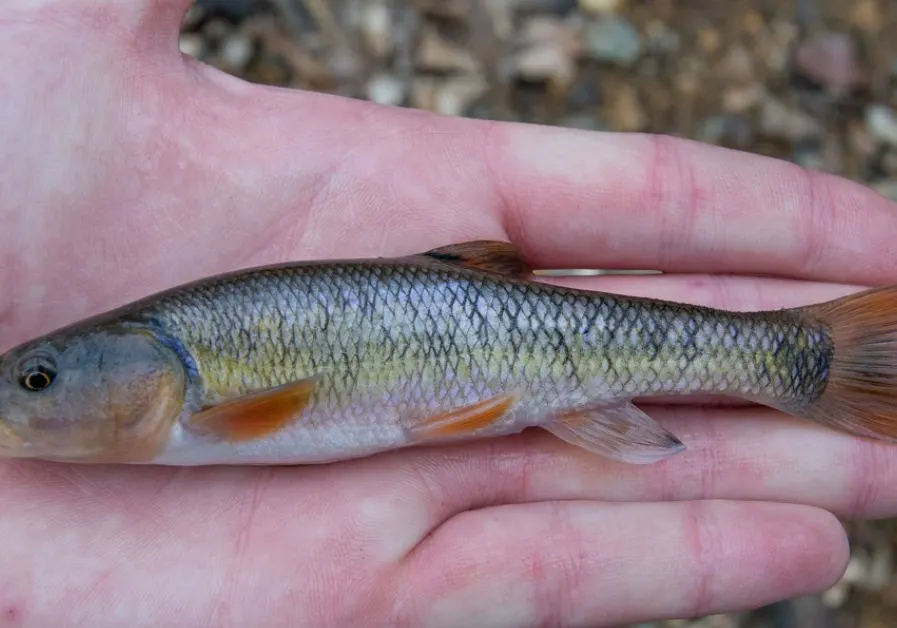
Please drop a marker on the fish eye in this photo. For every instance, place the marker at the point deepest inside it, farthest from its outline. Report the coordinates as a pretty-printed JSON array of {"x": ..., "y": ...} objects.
[{"x": 36, "y": 373}]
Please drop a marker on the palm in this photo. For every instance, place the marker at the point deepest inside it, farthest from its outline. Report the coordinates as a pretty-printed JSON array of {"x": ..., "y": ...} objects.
[{"x": 128, "y": 170}]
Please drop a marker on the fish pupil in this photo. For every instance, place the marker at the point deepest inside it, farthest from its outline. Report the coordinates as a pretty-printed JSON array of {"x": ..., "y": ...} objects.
[{"x": 37, "y": 378}]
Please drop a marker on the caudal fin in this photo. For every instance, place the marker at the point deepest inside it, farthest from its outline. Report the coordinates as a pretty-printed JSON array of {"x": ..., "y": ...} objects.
[{"x": 860, "y": 396}]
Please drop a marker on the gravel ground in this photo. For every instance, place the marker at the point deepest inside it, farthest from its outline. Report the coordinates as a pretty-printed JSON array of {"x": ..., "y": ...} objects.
[{"x": 811, "y": 81}]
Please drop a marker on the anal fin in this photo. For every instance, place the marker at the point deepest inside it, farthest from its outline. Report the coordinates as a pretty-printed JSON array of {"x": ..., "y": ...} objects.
[
  {"x": 257, "y": 415},
  {"x": 621, "y": 432}
]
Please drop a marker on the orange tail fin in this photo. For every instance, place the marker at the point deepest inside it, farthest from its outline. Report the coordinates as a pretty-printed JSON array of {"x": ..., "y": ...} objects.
[{"x": 861, "y": 394}]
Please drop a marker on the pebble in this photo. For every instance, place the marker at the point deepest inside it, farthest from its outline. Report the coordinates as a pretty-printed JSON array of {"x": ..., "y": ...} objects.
[
  {"x": 881, "y": 122},
  {"x": 456, "y": 95},
  {"x": 612, "y": 39},
  {"x": 729, "y": 130},
  {"x": 738, "y": 63},
  {"x": 738, "y": 99},
  {"x": 625, "y": 111},
  {"x": 831, "y": 60},
  {"x": 808, "y": 153},
  {"x": 887, "y": 188},
  {"x": 546, "y": 62},
  {"x": 583, "y": 94},
  {"x": 440, "y": 55},
  {"x": 600, "y": 6},
  {"x": 377, "y": 28},
  {"x": 385, "y": 89},
  {"x": 192, "y": 44},
  {"x": 779, "y": 120},
  {"x": 660, "y": 38},
  {"x": 236, "y": 51},
  {"x": 584, "y": 121},
  {"x": 889, "y": 162},
  {"x": 866, "y": 14}
]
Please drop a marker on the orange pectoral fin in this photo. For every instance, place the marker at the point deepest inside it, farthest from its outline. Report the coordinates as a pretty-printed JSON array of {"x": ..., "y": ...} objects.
[
  {"x": 464, "y": 420},
  {"x": 255, "y": 416}
]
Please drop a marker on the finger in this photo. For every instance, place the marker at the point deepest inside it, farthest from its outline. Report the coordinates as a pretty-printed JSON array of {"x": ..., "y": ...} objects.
[
  {"x": 588, "y": 564},
  {"x": 731, "y": 292},
  {"x": 740, "y": 454},
  {"x": 150, "y": 18},
  {"x": 595, "y": 199}
]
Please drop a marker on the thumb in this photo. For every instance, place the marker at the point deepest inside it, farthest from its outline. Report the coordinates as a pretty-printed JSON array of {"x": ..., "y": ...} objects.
[{"x": 153, "y": 24}]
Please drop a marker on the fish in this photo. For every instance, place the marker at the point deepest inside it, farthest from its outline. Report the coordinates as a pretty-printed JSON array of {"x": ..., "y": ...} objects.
[{"x": 320, "y": 361}]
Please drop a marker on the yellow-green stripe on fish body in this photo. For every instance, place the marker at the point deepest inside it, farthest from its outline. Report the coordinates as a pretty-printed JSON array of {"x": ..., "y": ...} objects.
[{"x": 316, "y": 362}]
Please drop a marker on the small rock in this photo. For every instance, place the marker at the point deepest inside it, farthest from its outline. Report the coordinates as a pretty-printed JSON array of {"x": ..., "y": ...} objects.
[
  {"x": 624, "y": 111},
  {"x": 730, "y": 130},
  {"x": 866, "y": 14},
  {"x": 808, "y": 153},
  {"x": 548, "y": 48},
  {"x": 344, "y": 64},
  {"x": 216, "y": 30},
  {"x": 583, "y": 94},
  {"x": 546, "y": 62},
  {"x": 831, "y": 60},
  {"x": 192, "y": 44},
  {"x": 753, "y": 22},
  {"x": 837, "y": 595},
  {"x": 438, "y": 54},
  {"x": 194, "y": 16},
  {"x": 424, "y": 92},
  {"x": 660, "y": 38},
  {"x": 584, "y": 121},
  {"x": 709, "y": 40},
  {"x": 779, "y": 120},
  {"x": 889, "y": 162},
  {"x": 599, "y": 6},
  {"x": 738, "y": 63},
  {"x": 236, "y": 51},
  {"x": 377, "y": 28},
  {"x": 740, "y": 99},
  {"x": 613, "y": 40},
  {"x": 386, "y": 89},
  {"x": 861, "y": 140},
  {"x": 455, "y": 96},
  {"x": 688, "y": 80},
  {"x": 881, "y": 121},
  {"x": 776, "y": 49}
]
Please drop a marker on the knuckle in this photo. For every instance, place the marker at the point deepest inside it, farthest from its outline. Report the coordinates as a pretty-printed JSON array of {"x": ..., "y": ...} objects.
[{"x": 702, "y": 544}]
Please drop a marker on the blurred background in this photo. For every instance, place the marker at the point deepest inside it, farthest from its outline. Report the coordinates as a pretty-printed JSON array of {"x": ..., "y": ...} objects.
[{"x": 810, "y": 81}]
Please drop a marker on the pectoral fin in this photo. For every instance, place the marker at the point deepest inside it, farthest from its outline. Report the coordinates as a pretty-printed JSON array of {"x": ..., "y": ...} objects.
[
  {"x": 463, "y": 421},
  {"x": 257, "y": 415},
  {"x": 494, "y": 256},
  {"x": 620, "y": 432}
]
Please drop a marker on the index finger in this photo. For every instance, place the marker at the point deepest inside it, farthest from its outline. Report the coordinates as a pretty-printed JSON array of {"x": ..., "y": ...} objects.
[{"x": 577, "y": 199}]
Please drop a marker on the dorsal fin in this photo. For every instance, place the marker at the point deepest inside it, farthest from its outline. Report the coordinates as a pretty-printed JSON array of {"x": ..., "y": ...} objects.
[{"x": 503, "y": 258}]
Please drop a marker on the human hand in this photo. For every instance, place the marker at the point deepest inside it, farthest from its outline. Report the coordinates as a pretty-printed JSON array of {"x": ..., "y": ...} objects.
[{"x": 128, "y": 169}]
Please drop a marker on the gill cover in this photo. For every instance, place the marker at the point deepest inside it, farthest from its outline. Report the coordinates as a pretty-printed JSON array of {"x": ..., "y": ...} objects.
[{"x": 102, "y": 395}]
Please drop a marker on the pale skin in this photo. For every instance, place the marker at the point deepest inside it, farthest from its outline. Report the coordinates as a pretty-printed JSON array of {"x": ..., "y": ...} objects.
[{"x": 128, "y": 168}]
